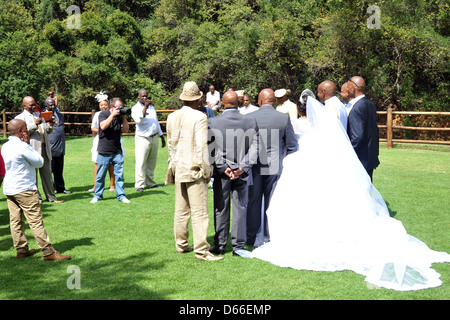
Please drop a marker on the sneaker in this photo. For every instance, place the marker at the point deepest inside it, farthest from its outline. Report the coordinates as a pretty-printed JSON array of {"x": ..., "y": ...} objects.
[
  {"x": 94, "y": 200},
  {"x": 125, "y": 200},
  {"x": 91, "y": 190}
]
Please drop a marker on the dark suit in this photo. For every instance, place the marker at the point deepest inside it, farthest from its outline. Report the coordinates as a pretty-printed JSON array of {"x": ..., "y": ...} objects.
[
  {"x": 277, "y": 139},
  {"x": 363, "y": 133},
  {"x": 233, "y": 144},
  {"x": 58, "y": 144}
]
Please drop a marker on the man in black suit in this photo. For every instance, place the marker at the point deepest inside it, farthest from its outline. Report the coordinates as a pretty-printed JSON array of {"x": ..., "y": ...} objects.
[
  {"x": 362, "y": 126},
  {"x": 276, "y": 139},
  {"x": 234, "y": 145}
]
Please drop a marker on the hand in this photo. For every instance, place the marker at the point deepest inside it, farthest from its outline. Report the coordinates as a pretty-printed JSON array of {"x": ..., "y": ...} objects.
[
  {"x": 163, "y": 142},
  {"x": 25, "y": 137},
  {"x": 147, "y": 103},
  {"x": 229, "y": 173},
  {"x": 238, "y": 172},
  {"x": 115, "y": 112},
  {"x": 38, "y": 121}
]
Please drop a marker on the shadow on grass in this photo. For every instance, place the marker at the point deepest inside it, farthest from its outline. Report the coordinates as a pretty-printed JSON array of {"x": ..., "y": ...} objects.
[
  {"x": 392, "y": 213},
  {"x": 82, "y": 192},
  {"x": 122, "y": 278}
]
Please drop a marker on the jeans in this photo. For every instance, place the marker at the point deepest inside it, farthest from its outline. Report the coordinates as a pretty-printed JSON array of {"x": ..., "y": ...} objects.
[{"x": 103, "y": 162}]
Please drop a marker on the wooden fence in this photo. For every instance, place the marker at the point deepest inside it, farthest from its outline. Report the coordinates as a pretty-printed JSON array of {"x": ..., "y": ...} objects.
[{"x": 388, "y": 125}]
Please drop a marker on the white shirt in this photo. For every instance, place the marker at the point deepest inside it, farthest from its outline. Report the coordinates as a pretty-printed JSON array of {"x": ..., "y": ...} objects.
[
  {"x": 146, "y": 126},
  {"x": 335, "y": 106},
  {"x": 289, "y": 108},
  {"x": 21, "y": 162},
  {"x": 352, "y": 102},
  {"x": 250, "y": 108},
  {"x": 213, "y": 98},
  {"x": 95, "y": 124}
]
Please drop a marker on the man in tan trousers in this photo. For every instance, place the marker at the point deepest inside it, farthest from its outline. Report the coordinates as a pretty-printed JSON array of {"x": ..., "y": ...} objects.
[
  {"x": 21, "y": 162},
  {"x": 187, "y": 135}
]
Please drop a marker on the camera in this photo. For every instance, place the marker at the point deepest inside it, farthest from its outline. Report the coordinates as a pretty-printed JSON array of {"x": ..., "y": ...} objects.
[{"x": 124, "y": 111}]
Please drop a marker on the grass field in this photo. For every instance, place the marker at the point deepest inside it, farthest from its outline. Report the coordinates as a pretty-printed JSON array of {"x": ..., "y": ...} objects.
[{"x": 127, "y": 252}]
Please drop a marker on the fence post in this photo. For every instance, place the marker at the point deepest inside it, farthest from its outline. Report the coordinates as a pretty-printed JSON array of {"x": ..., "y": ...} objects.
[
  {"x": 389, "y": 133},
  {"x": 4, "y": 125}
]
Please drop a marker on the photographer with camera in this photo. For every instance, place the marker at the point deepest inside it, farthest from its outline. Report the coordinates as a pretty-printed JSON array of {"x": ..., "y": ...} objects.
[
  {"x": 146, "y": 141},
  {"x": 112, "y": 123}
]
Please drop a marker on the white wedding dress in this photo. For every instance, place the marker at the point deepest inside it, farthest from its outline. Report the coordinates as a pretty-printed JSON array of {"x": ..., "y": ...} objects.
[{"x": 325, "y": 215}]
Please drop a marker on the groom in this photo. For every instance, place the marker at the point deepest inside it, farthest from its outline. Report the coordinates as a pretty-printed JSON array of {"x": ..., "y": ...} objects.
[
  {"x": 277, "y": 139},
  {"x": 362, "y": 126}
]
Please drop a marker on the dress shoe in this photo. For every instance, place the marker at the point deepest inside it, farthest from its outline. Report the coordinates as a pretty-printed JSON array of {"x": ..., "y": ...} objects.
[
  {"x": 208, "y": 257},
  {"x": 185, "y": 250},
  {"x": 155, "y": 186},
  {"x": 217, "y": 250},
  {"x": 140, "y": 189},
  {"x": 26, "y": 254},
  {"x": 56, "y": 256}
]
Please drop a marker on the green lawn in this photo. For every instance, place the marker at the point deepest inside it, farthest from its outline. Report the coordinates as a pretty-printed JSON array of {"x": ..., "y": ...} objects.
[{"x": 127, "y": 251}]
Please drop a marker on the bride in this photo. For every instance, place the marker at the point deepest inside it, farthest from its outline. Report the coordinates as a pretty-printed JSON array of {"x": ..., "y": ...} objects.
[{"x": 339, "y": 221}]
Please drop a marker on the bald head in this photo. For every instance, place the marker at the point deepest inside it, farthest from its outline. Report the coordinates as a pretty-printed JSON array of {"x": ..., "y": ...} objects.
[
  {"x": 15, "y": 126},
  {"x": 355, "y": 87},
  {"x": 230, "y": 99},
  {"x": 344, "y": 92},
  {"x": 29, "y": 104},
  {"x": 50, "y": 104},
  {"x": 326, "y": 90},
  {"x": 266, "y": 96}
]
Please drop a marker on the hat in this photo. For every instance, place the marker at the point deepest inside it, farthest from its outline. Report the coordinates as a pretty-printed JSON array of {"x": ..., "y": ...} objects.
[
  {"x": 101, "y": 97},
  {"x": 240, "y": 93},
  {"x": 281, "y": 93},
  {"x": 191, "y": 92}
]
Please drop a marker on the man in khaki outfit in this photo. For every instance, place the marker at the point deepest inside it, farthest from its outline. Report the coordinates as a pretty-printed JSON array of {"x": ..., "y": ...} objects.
[
  {"x": 187, "y": 135},
  {"x": 21, "y": 162}
]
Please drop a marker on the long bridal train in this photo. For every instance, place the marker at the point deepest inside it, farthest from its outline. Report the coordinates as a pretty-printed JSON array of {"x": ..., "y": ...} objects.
[{"x": 325, "y": 215}]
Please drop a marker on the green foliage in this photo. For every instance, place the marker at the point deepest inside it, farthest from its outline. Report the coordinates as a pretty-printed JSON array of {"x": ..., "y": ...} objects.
[{"x": 243, "y": 44}]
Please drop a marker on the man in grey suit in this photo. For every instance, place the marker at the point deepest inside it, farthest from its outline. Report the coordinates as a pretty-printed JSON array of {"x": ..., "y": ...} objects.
[
  {"x": 276, "y": 140},
  {"x": 234, "y": 145}
]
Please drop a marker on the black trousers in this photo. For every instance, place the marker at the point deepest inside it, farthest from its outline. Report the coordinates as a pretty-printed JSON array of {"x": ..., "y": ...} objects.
[
  {"x": 236, "y": 192},
  {"x": 57, "y": 170},
  {"x": 263, "y": 186}
]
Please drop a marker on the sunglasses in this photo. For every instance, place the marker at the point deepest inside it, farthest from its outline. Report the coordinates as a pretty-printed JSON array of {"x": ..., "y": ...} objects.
[{"x": 353, "y": 82}]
